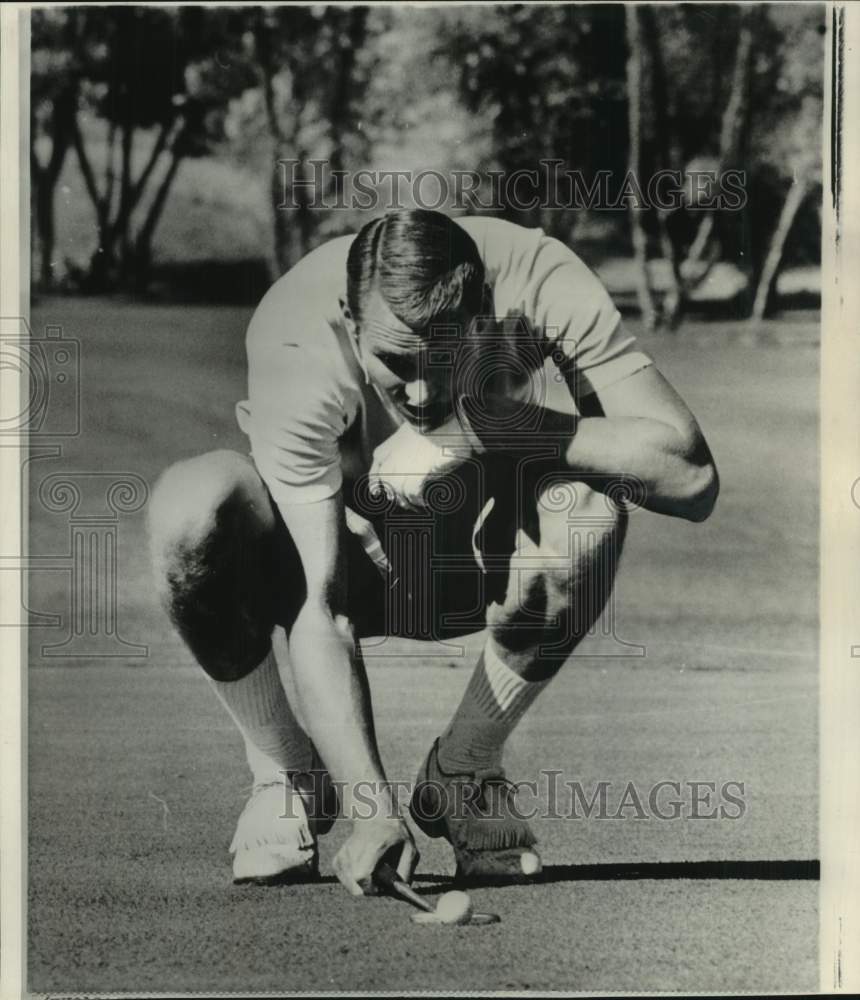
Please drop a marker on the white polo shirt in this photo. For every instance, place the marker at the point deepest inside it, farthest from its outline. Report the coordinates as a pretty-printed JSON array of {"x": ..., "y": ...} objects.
[{"x": 311, "y": 417}]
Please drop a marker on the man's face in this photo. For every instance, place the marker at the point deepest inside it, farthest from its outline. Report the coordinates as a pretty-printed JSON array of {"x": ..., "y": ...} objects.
[{"x": 420, "y": 389}]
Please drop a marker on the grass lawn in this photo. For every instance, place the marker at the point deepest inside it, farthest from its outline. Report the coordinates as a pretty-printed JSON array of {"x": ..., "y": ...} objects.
[{"x": 136, "y": 777}]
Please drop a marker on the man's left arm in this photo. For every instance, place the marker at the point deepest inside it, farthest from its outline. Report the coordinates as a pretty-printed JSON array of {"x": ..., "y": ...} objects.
[
  {"x": 640, "y": 427},
  {"x": 632, "y": 422},
  {"x": 636, "y": 430}
]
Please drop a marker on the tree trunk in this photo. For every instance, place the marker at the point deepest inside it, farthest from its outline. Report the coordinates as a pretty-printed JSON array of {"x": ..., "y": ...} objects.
[
  {"x": 341, "y": 109},
  {"x": 773, "y": 261},
  {"x": 110, "y": 174},
  {"x": 102, "y": 260},
  {"x": 634, "y": 121},
  {"x": 302, "y": 226},
  {"x": 675, "y": 298},
  {"x": 46, "y": 230},
  {"x": 733, "y": 121},
  {"x": 280, "y": 228},
  {"x": 295, "y": 233},
  {"x": 45, "y": 178},
  {"x": 106, "y": 266},
  {"x": 120, "y": 228},
  {"x": 143, "y": 242}
]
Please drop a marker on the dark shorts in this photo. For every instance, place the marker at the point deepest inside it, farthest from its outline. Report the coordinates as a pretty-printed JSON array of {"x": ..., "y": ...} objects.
[{"x": 436, "y": 589}]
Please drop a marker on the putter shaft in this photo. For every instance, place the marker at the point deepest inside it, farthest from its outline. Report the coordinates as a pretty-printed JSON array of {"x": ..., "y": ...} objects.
[{"x": 391, "y": 880}]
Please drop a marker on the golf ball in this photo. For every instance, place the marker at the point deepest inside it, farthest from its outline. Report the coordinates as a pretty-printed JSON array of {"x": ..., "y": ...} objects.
[
  {"x": 454, "y": 908},
  {"x": 530, "y": 863}
]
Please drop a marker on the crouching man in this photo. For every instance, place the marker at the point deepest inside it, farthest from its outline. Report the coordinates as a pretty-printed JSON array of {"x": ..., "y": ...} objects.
[{"x": 378, "y": 373}]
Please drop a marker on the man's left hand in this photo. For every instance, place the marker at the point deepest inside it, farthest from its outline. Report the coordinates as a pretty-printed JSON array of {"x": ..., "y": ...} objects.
[{"x": 403, "y": 465}]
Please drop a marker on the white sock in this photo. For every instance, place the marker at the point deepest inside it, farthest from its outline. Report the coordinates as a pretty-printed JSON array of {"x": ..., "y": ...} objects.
[{"x": 274, "y": 740}]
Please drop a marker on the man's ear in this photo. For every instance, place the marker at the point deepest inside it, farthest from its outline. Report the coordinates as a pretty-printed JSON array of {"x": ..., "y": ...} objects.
[
  {"x": 352, "y": 331},
  {"x": 346, "y": 313},
  {"x": 487, "y": 306}
]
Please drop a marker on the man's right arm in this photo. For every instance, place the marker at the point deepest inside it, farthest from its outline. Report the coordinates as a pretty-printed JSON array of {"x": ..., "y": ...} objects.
[
  {"x": 332, "y": 687},
  {"x": 299, "y": 406}
]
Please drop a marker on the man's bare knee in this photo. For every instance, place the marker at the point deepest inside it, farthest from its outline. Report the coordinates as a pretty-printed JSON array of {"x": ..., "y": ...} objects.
[
  {"x": 574, "y": 520},
  {"x": 210, "y": 518},
  {"x": 188, "y": 497},
  {"x": 560, "y": 583}
]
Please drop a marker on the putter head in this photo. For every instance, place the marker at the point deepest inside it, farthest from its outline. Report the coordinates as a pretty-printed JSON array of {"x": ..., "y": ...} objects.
[{"x": 385, "y": 876}]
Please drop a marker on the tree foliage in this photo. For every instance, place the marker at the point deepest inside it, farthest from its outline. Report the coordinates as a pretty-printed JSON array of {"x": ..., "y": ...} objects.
[{"x": 479, "y": 87}]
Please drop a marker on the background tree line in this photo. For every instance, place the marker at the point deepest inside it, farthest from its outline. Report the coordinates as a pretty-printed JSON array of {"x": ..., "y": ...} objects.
[{"x": 125, "y": 97}]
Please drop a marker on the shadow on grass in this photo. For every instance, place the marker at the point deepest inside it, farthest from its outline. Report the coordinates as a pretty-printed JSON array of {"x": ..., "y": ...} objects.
[
  {"x": 427, "y": 883},
  {"x": 744, "y": 870}
]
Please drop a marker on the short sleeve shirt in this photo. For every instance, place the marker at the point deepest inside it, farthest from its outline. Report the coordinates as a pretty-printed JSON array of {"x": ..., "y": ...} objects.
[{"x": 311, "y": 416}]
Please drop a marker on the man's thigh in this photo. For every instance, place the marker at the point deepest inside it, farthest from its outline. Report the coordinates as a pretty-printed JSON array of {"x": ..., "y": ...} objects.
[
  {"x": 447, "y": 564},
  {"x": 433, "y": 590}
]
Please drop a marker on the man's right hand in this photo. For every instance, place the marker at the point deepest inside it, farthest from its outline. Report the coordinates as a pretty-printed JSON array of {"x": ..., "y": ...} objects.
[{"x": 372, "y": 840}]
